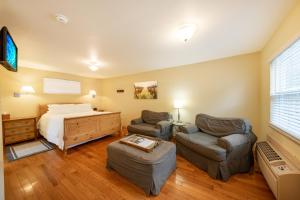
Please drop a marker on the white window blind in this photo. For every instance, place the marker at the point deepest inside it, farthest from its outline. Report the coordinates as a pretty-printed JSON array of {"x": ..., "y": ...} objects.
[{"x": 285, "y": 90}]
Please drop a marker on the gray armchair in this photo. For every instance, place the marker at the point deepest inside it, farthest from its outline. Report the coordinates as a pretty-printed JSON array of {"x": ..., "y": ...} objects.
[
  {"x": 220, "y": 146},
  {"x": 154, "y": 124}
]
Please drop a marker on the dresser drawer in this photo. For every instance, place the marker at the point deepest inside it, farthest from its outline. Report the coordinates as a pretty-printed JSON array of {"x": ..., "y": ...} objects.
[
  {"x": 19, "y": 138},
  {"x": 18, "y": 123},
  {"x": 18, "y": 130}
]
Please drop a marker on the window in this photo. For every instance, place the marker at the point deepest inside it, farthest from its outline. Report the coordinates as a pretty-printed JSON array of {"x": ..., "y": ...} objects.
[{"x": 285, "y": 91}]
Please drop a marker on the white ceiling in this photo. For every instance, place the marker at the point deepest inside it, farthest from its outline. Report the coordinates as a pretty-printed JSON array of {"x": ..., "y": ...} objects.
[{"x": 131, "y": 36}]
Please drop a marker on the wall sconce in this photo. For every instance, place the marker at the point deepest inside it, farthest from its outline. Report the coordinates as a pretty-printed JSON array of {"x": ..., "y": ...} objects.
[
  {"x": 178, "y": 105},
  {"x": 93, "y": 93},
  {"x": 26, "y": 89}
]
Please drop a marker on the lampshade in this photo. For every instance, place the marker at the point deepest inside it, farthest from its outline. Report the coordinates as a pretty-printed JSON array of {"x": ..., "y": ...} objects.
[
  {"x": 178, "y": 104},
  {"x": 26, "y": 89}
]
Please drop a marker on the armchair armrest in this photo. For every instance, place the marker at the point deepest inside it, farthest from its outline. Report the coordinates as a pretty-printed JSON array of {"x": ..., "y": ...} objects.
[
  {"x": 189, "y": 128},
  {"x": 165, "y": 128},
  {"x": 252, "y": 137},
  {"x": 136, "y": 121},
  {"x": 234, "y": 142},
  {"x": 163, "y": 124}
]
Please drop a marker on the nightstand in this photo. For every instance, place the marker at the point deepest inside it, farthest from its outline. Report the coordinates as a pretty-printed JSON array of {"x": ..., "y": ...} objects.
[
  {"x": 177, "y": 126},
  {"x": 18, "y": 130},
  {"x": 180, "y": 124}
]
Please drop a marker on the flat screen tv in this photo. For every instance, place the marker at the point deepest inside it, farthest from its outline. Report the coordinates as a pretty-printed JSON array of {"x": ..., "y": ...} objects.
[{"x": 8, "y": 51}]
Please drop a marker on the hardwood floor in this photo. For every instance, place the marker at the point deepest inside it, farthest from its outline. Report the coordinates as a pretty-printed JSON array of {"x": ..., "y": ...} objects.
[{"x": 82, "y": 174}]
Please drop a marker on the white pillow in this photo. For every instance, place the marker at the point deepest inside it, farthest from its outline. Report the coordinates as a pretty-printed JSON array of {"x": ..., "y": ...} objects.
[
  {"x": 68, "y": 108},
  {"x": 83, "y": 107},
  {"x": 61, "y": 108}
]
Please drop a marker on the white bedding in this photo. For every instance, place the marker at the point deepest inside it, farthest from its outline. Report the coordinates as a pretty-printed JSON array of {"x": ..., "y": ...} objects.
[{"x": 51, "y": 125}]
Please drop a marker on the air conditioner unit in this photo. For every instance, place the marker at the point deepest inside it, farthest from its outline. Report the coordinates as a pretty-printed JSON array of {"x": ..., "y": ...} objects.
[{"x": 282, "y": 176}]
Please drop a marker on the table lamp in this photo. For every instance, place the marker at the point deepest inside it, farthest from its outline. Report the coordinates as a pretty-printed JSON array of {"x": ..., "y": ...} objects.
[{"x": 178, "y": 105}]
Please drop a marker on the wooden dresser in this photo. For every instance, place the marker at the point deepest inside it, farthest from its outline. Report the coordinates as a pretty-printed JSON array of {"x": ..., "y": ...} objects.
[{"x": 17, "y": 130}]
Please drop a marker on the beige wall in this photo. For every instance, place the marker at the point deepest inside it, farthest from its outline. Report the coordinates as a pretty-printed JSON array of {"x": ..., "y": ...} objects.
[
  {"x": 287, "y": 33},
  {"x": 27, "y": 105},
  {"x": 226, "y": 87}
]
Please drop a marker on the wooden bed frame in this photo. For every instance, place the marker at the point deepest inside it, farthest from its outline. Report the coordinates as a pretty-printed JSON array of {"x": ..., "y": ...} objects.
[{"x": 79, "y": 130}]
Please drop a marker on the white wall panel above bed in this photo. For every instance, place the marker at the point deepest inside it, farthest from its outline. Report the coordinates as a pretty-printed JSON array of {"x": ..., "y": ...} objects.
[{"x": 60, "y": 86}]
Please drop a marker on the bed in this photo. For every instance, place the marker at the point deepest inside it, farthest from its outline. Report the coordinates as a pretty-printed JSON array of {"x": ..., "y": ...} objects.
[{"x": 68, "y": 125}]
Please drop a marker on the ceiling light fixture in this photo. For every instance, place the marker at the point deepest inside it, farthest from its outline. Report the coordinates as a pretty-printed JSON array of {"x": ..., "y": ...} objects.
[
  {"x": 93, "y": 65},
  {"x": 186, "y": 31},
  {"x": 61, "y": 18},
  {"x": 93, "y": 68}
]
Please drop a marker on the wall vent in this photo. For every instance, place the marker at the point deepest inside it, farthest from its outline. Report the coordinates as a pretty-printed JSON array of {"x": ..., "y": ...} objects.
[
  {"x": 281, "y": 175},
  {"x": 268, "y": 151}
]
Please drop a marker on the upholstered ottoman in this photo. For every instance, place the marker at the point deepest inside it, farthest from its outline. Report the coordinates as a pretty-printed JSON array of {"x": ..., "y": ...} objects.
[{"x": 147, "y": 170}]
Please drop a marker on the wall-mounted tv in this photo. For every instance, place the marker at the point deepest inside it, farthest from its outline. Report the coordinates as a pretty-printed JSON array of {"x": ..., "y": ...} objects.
[{"x": 8, "y": 51}]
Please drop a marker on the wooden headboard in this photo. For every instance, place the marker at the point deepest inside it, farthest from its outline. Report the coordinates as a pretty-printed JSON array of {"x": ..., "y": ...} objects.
[{"x": 43, "y": 108}]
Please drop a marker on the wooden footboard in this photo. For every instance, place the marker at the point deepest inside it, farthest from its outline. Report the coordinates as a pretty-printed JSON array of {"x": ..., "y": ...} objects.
[{"x": 79, "y": 130}]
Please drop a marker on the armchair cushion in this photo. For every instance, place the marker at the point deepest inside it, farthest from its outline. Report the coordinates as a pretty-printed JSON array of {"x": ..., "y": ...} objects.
[
  {"x": 150, "y": 117},
  {"x": 220, "y": 127},
  {"x": 189, "y": 128},
  {"x": 137, "y": 121},
  {"x": 144, "y": 129},
  {"x": 203, "y": 144}
]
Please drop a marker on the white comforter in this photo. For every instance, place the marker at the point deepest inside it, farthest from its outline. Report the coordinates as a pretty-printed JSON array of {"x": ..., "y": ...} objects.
[{"x": 52, "y": 125}]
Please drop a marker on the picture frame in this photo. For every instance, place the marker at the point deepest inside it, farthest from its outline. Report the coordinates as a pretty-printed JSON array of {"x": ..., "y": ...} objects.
[{"x": 145, "y": 90}]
